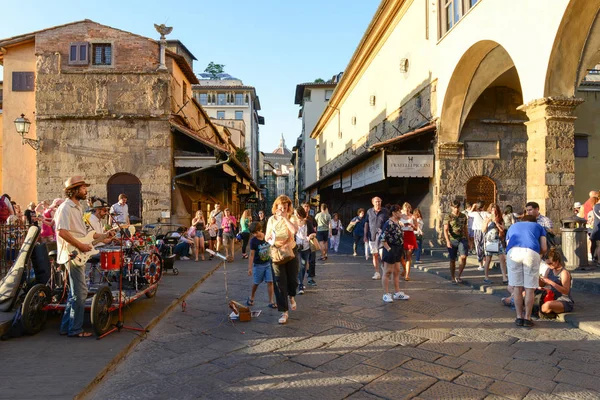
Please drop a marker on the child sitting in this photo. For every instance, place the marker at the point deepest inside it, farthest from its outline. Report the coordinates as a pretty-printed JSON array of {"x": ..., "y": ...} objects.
[{"x": 259, "y": 264}]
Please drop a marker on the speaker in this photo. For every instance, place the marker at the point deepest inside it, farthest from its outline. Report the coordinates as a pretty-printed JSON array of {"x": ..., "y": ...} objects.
[{"x": 41, "y": 263}]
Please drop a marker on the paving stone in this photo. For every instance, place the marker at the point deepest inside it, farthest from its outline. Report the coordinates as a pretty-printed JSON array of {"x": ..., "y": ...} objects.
[
  {"x": 452, "y": 349},
  {"x": 268, "y": 360},
  {"x": 345, "y": 323},
  {"x": 536, "y": 347},
  {"x": 473, "y": 381},
  {"x": 182, "y": 377},
  {"x": 184, "y": 361},
  {"x": 397, "y": 325},
  {"x": 490, "y": 371},
  {"x": 342, "y": 363},
  {"x": 435, "y": 370},
  {"x": 508, "y": 390},
  {"x": 405, "y": 339},
  {"x": 399, "y": 384},
  {"x": 484, "y": 335},
  {"x": 534, "y": 368},
  {"x": 583, "y": 380},
  {"x": 375, "y": 348},
  {"x": 537, "y": 395},
  {"x": 425, "y": 308},
  {"x": 582, "y": 356},
  {"x": 362, "y": 395},
  {"x": 487, "y": 357},
  {"x": 432, "y": 334},
  {"x": 286, "y": 369},
  {"x": 419, "y": 354},
  {"x": 316, "y": 385},
  {"x": 225, "y": 346},
  {"x": 300, "y": 347},
  {"x": 504, "y": 349},
  {"x": 362, "y": 373},
  {"x": 451, "y": 361},
  {"x": 447, "y": 390},
  {"x": 314, "y": 359},
  {"x": 567, "y": 391},
  {"x": 354, "y": 340},
  {"x": 586, "y": 368},
  {"x": 237, "y": 373},
  {"x": 388, "y": 360},
  {"x": 467, "y": 341},
  {"x": 267, "y": 346},
  {"x": 333, "y": 334},
  {"x": 544, "y": 385},
  {"x": 533, "y": 356}
]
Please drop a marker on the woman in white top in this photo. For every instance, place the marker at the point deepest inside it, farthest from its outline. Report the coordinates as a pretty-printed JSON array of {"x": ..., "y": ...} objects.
[
  {"x": 479, "y": 215},
  {"x": 336, "y": 227},
  {"x": 407, "y": 222}
]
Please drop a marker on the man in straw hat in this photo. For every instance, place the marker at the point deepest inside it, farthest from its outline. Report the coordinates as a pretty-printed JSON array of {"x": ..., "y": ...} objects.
[
  {"x": 99, "y": 212},
  {"x": 70, "y": 227}
]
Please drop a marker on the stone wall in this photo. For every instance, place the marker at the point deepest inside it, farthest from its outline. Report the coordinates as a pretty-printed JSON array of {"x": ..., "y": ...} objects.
[
  {"x": 98, "y": 149},
  {"x": 494, "y": 117}
]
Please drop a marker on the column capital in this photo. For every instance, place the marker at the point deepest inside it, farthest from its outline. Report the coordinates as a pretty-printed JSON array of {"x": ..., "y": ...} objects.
[{"x": 551, "y": 107}]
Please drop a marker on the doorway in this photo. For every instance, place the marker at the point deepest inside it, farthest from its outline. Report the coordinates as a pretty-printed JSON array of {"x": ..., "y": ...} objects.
[
  {"x": 481, "y": 188},
  {"x": 131, "y": 186}
]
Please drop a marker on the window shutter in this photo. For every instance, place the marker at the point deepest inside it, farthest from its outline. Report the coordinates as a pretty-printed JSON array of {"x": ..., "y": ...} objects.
[
  {"x": 73, "y": 54},
  {"x": 78, "y": 53},
  {"x": 23, "y": 81}
]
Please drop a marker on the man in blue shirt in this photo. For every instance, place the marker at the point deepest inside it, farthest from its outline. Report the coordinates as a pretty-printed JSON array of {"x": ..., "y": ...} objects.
[{"x": 526, "y": 243}]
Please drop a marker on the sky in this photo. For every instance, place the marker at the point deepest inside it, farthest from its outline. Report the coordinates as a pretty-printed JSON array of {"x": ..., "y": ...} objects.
[{"x": 272, "y": 45}]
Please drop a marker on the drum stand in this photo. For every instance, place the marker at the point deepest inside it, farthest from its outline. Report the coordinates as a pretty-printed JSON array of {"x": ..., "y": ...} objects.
[
  {"x": 120, "y": 322},
  {"x": 224, "y": 263}
]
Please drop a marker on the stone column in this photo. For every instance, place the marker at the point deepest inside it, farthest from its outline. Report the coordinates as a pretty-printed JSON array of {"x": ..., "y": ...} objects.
[
  {"x": 550, "y": 154},
  {"x": 162, "y": 51}
]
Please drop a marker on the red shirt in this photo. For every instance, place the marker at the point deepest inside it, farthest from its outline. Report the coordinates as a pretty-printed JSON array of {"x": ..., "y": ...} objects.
[{"x": 587, "y": 207}]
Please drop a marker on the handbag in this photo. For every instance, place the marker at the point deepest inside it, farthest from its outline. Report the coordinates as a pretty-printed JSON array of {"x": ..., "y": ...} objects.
[
  {"x": 351, "y": 226},
  {"x": 334, "y": 232},
  {"x": 282, "y": 254},
  {"x": 492, "y": 247},
  {"x": 314, "y": 244}
]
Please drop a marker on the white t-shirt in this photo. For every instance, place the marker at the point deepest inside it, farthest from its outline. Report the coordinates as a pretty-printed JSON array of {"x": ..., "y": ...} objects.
[
  {"x": 96, "y": 227},
  {"x": 409, "y": 220},
  {"x": 478, "y": 218}
]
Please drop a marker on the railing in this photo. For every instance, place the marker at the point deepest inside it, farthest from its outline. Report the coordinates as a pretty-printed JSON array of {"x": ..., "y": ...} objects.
[{"x": 11, "y": 240}]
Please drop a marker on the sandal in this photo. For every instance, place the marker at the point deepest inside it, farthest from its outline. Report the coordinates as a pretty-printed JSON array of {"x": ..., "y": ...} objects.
[
  {"x": 283, "y": 319},
  {"x": 407, "y": 279},
  {"x": 82, "y": 335},
  {"x": 458, "y": 280},
  {"x": 249, "y": 302},
  {"x": 292, "y": 304},
  {"x": 272, "y": 305}
]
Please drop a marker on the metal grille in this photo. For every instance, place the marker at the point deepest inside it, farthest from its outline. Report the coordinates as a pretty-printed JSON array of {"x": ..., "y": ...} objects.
[
  {"x": 11, "y": 239},
  {"x": 481, "y": 188}
]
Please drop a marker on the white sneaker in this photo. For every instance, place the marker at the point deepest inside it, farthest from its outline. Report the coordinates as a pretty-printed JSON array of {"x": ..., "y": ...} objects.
[
  {"x": 480, "y": 268},
  {"x": 387, "y": 298},
  {"x": 376, "y": 276},
  {"x": 184, "y": 258},
  {"x": 401, "y": 296}
]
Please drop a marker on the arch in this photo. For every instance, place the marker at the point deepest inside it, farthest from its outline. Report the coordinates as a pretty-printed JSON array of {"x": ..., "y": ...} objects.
[
  {"x": 575, "y": 48},
  {"x": 482, "y": 64},
  {"x": 129, "y": 184},
  {"x": 481, "y": 188}
]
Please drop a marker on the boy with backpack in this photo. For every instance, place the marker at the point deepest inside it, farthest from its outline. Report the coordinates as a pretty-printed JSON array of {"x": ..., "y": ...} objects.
[{"x": 259, "y": 264}]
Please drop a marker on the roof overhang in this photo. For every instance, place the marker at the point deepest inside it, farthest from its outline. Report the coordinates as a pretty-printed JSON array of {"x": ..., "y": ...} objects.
[
  {"x": 194, "y": 161},
  {"x": 194, "y": 135},
  {"x": 185, "y": 67},
  {"x": 404, "y": 137}
]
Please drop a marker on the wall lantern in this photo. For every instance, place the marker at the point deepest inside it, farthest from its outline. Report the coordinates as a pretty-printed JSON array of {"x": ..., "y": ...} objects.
[{"x": 22, "y": 125}]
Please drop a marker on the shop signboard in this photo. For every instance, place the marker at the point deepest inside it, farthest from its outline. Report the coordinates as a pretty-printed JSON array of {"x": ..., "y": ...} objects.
[{"x": 410, "y": 166}]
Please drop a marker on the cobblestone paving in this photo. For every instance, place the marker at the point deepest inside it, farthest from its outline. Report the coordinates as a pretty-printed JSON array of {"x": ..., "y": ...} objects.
[{"x": 446, "y": 342}]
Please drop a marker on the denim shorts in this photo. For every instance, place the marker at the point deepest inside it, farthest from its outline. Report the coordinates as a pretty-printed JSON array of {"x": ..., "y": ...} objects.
[
  {"x": 459, "y": 248},
  {"x": 261, "y": 272}
]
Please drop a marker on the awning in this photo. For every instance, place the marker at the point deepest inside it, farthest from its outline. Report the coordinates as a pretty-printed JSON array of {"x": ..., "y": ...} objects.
[
  {"x": 194, "y": 135},
  {"x": 404, "y": 137},
  {"x": 194, "y": 161}
]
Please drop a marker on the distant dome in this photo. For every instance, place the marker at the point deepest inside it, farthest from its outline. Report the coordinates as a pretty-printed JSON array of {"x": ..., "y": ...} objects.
[{"x": 282, "y": 149}]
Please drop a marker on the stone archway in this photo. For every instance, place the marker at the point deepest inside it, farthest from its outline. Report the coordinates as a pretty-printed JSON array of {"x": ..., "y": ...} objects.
[
  {"x": 481, "y": 188},
  {"x": 129, "y": 184}
]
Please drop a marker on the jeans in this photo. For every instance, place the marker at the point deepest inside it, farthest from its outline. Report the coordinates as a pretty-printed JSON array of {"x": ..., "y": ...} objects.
[
  {"x": 286, "y": 282},
  {"x": 419, "y": 249},
  {"x": 182, "y": 249},
  {"x": 312, "y": 272},
  {"x": 303, "y": 255},
  {"x": 72, "y": 321}
]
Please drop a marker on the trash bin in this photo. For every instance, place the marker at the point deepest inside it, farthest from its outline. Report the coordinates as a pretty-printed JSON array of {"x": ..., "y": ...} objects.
[{"x": 574, "y": 242}]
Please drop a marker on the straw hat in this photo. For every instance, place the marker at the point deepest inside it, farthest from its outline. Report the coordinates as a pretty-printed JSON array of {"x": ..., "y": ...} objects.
[{"x": 75, "y": 181}]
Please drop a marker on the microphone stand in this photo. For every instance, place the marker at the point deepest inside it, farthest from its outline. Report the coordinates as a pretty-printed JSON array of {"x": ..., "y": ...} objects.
[{"x": 120, "y": 321}]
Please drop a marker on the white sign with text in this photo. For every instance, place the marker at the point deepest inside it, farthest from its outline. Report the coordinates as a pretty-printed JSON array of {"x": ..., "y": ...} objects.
[{"x": 405, "y": 165}]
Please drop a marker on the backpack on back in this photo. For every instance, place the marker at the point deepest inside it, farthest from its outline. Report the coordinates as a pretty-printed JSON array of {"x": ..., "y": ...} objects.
[{"x": 4, "y": 210}]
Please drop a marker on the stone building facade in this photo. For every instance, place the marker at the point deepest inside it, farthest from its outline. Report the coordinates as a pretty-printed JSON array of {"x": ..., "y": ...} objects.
[
  {"x": 104, "y": 107},
  {"x": 503, "y": 119}
]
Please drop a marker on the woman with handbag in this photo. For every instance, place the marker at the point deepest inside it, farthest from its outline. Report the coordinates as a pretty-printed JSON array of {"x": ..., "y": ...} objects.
[
  {"x": 200, "y": 225},
  {"x": 245, "y": 221},
  {"x": 336, "y": 227},
  {"x": 356, "y": 227},
  {"x": 281, "y": 229},
  {"x": 228, "y": 224},
  {"x": 495, "y": 233}
]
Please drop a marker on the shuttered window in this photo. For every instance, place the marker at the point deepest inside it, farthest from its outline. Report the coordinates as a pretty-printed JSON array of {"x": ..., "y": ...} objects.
[
  {"x": 102, "y": 54},
  {"x": 78, "y": 53},
  {"x": 581, "y": 146},
  {"x": 23, "y": 81}
]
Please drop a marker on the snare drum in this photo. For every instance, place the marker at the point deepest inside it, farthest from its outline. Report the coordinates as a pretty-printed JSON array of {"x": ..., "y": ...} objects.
[{"x": 110, "y": 258}]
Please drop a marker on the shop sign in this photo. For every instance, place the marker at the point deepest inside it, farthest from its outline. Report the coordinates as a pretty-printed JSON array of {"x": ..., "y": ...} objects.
[
  {"x": 410, "y": 165},
  {"x": 368, "y": 172}
]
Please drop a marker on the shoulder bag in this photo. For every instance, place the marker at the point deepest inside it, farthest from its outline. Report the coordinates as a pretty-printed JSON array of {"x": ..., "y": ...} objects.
[{"x": 281, "y": 254}]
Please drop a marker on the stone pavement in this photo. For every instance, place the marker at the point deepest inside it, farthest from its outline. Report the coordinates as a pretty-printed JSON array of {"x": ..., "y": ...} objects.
[
  {"x": 343, "y": 342},
  {"x": 51, "y": 366}
]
